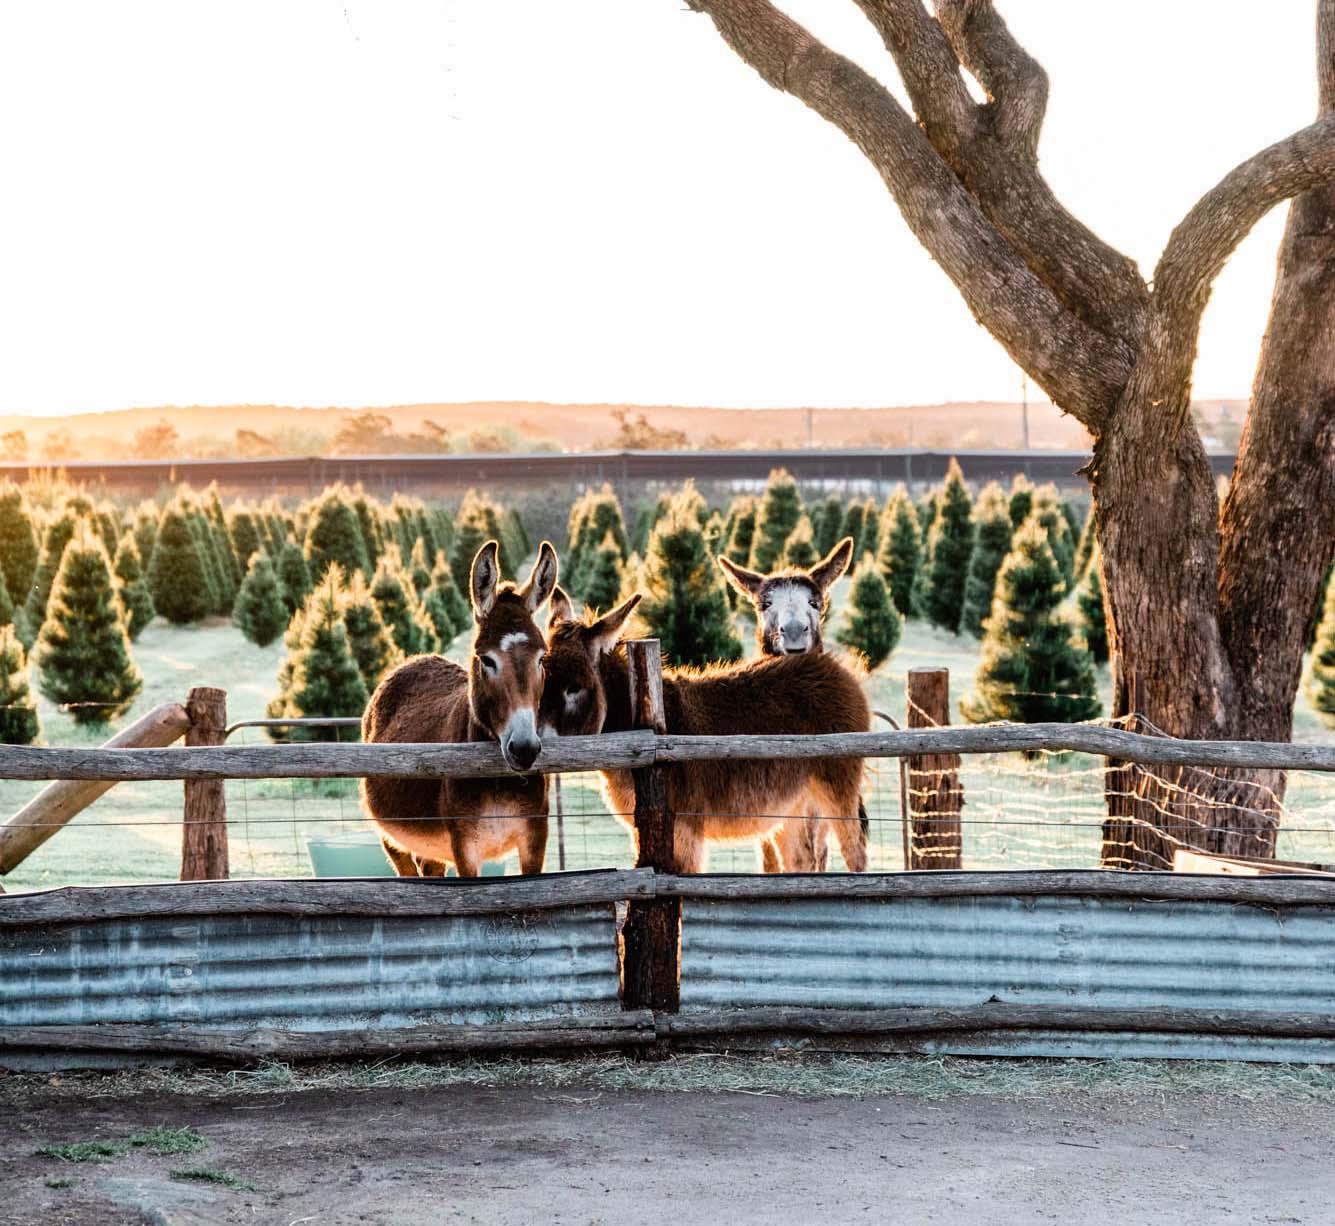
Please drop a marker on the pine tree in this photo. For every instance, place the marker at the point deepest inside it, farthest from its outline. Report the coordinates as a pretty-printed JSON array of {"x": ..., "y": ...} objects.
[
  {"x": 58, "y": 534},
  {"x": 6, "y": 605},
  {"x": 604, "y": 582},
  {"x": 780, "y": 509},
  {"x": 83, "y": 651},
  {"x": 715, "y": 534},
  {"x": 1093, "y": 615},
  {"x": 229, "y": 568},
  {"x": 372, "y": 645},
  {"x": 320, "y": 676},
  {"x": 1047, "y": 507},
  {"x": 217, "y": 596},
  {"x": 872, "y": 625},
  {"x": 1084, "y": 550},
  {"x": 19, "y": 724},
  {"x": 646, "y": 520},
  {"x": 951, "y": 545},
  {"x": 926, "y": 511},
  {"x": 871, "y": 527},
  {"x": 245, "y": 536},
  {"x": 1033, "y": 667},
  {"x": 294, "y": 576},
  {"x": 855, "y": 524},
  {"x": 106, "y": 521},
  {"x": 477, "y": 523},
  {"x": 177, "y": 579},
  {"x": 451, "y": 615},
  {"x": 684, "y": 603},
  {"x": 371, "y": 527},
  {"x": 827, "y": 523},
  {"x": 741, "y": 537},
  {"x": 146, "y": 531},
  {"x": 401, "y": 611},
  {"x": 418, "y": 570},
  {"x": 134, "y": 593},
  {"x": 799, "y": 551},
  {"x": 1022, "y": 499},
  {"x": 333, "y": 534},
  {"x": 18, "y": 542},
  {"x": 259, "y": 611},
  {"x": 900, "y": 557},
  {"x": 992, "y": 542},
  {"x": 1321, "y": 676}
]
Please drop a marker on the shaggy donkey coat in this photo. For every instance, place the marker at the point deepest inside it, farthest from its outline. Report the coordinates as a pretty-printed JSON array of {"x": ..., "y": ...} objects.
[
  {"x": 790, "y": 606},
  {"x": 587, "y": 690},
  {"x": 430, "y": 698}
]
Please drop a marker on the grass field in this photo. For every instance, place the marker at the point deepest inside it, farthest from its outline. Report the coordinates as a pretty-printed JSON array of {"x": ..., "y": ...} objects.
[{"x": 1018, "y": 814}]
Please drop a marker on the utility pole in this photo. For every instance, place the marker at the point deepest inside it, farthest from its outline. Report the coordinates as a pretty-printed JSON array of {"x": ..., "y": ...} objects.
[
  {"x": 811, "y": 428},
  {"x": 1024, "y": 411}
]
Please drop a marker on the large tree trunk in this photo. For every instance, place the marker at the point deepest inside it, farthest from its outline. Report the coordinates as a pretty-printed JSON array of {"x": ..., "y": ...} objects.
[{"x": 1207, "y": 611}]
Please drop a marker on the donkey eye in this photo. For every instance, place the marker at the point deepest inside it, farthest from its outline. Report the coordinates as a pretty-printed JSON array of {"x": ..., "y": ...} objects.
[
  {"x": 764, "y": 605},
  {"x": 490, "y": 664},
  {"x": 815, "y": 604},
  {"x": 573, "y": 691}
]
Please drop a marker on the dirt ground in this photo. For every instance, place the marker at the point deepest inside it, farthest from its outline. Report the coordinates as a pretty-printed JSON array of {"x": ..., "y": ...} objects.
[{"x": 349, "y": 1151}]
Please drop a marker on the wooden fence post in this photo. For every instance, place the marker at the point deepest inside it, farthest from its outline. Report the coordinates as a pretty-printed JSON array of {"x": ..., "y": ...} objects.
[
  {"x": 935, "y": 793},
  {"x": 204, "y": 829},
  {"x": 652, "y": 932}
]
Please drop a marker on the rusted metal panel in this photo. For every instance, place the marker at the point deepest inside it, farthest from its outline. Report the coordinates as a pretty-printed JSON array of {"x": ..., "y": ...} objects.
[
  {"x": 956, "y": 952},
  {"x": 312, "y": 973}
]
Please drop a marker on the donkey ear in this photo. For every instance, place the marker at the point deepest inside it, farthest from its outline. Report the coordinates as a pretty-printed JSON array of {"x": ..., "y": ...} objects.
[
  {"x": 827, "y": 572},
  {"x": 748, "y": 582},
  {"x": 543, "y": 579},
  {"x": 606, "y": 630},
  {"x": 483, "y": 578},
  {"x": 562, "y": 609}
]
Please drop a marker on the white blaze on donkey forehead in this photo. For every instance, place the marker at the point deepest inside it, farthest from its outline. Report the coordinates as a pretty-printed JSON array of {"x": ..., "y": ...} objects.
[{"x": 513, "y": 639}]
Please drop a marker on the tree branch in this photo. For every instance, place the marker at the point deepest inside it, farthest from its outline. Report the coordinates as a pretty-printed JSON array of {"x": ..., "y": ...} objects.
[
  {"x": 1198, "y": 249},
  {"x": 1081, "y": 368}
]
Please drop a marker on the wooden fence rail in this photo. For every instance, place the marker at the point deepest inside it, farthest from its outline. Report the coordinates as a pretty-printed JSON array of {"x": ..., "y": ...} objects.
[{"x": 634, "y": 750}]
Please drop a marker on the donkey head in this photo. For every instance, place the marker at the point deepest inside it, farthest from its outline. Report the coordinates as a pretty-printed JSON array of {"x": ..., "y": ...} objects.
[
  {"x": 505, "y": 666},
  {"x": 574, "y": 699},
  {"x": 790, "y": 604}
]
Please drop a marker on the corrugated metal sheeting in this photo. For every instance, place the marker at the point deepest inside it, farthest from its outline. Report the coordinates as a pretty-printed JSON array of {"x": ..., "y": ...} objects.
[
  {"x": 312, "y": 973},
  {"x": 953, "y": 952}
]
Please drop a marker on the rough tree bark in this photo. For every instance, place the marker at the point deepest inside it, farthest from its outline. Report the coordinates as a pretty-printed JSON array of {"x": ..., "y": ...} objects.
[{"x": 1207, "y": 608}]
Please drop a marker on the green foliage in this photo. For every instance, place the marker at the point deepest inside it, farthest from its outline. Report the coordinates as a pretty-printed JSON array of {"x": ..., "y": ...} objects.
[
  {"x": 401, "y": 610},
  {"x": 1093, "y": 614},
  {"x": 685, "y": 604},
  {"x": 871, "y": 527},
  {"x": 1321, "y": 676},
  {"x": 208, "y": 1174},
  {"x": 603, "y": 585},
  {"x": 134, "y": 593},
  {"x": 780, "y": 509},
  {"x": 146, "y": 531},
  {"x": 18, "y": 542},
  {"x": 799, "y": 551},
  {"x": 900, "y": 556},
  {"x": 872, "y": 625},
  {"x": 1022, "y": 499},
  {"x": 245, "y": 536},
  {"x": 1047, "y": 508},
  {"x": 741, "y": 529},
  {"x": 478, "y": 521},
  {"x": 85, "y": 1151},
  {"x": 418, "y": 569},
  {"x": 83, "y": 651},
  {"x": 19, "y": 724},
  {"x": 827, "y": 524},
  {"x": 163, "y": 1141},
  {"x": 372, "y": 645},
  {"x": 320, "y": 676},
  {"x": 951, "y": 545},
  {"x": 1084, "y": 550},
  {"x": 6, "y": 605},
  {"x": 333, "y": 534},
  {"x": 445, "y": 603},
  {"x": 992, "y": 542},
  {"x": 645, "y": 520},
  {"x": 926, "y": 511},
  {"x": 855, "y": 524},
  {"x": 1033, "y": 667},
  {"x": 260, "y": 611},
  {"x": 294, "y": 576},
  {"x": 177, "y": 579},
  {"x": 58, "y": 534},
  {"x": 715, "y": 534},
  {"x": 373, "y": 531},
  {"x": 229, "y": 568}
]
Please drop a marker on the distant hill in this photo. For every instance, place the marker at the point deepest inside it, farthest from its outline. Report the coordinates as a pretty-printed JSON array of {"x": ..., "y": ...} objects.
[{"x": 518, "y": 425}]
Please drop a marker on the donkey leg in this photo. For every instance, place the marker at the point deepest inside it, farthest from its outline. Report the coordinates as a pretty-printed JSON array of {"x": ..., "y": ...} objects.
[
  {"x": 769, "y": 856},
  {"x": 431, "y": 868},
  {"x": 403, "y": 863},
  {"x": 533, "y": 846},
  {"x": 688, "y": 848},
  {"x": 844, "y": 809},
  {"x": 796, "y": 841}
]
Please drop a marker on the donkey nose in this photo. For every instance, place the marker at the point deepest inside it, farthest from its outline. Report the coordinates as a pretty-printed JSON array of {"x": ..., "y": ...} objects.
[
  {"x": 519, "y": 740},
  {"x": 796, "y": 636},
  {"x": 521, "y": 754}
]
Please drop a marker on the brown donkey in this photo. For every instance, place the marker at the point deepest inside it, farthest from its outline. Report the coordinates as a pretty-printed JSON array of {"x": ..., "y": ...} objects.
[
  {"x": 426, "y": 824},
  {"x": 790, "y": 606},
  {"x": 587, "y": 690}
]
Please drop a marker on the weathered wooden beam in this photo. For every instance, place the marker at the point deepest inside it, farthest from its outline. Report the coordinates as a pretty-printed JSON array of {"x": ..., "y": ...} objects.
[
  {"x": 52, "y": 807},
  {"x": 204, "y": 816},
  {"x": 612, "y": 1030},
  {"x": 999, "y": 1016},
  {"x": 936, "y": 839},
  {"x": 374, "y": 896},
  {"x": 630, "y": 750},
  {"x": 1021, "y": 883},
  {"x": 651, "y": 965}
]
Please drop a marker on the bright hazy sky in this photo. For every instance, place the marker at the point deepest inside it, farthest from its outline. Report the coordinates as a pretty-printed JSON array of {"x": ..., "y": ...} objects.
[{"x": 572, "y": 200}]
